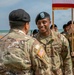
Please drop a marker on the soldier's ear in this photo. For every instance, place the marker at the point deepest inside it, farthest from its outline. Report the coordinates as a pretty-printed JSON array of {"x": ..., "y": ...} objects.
[{"x": 26, "y": 27}]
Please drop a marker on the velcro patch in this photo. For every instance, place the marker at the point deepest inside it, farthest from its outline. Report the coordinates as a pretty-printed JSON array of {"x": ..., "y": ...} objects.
[{"x": 41, "y": 52}]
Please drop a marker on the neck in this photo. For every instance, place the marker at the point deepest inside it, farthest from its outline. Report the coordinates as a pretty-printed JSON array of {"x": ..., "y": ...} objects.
[
  {"x": 24, "y": 31},
  {"x": 47, "y": 33}
]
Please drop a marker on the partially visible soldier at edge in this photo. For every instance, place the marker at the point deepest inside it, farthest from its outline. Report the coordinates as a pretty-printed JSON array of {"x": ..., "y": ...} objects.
[
  {"x": 70, "y": 30},
  {"x": 54, "y": 27},
  {"x": 56, "y": 49},
  {"x": 70, "y": 37},
  {"x": 65, "y": 30},
  {"x": 21, "y": 54}
]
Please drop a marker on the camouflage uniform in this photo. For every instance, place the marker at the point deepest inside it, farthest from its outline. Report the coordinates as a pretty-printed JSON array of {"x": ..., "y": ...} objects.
[
  {"x": 69, "y": 37},
  {"x": 64, "y": 33},
  {"x": 57, "y": 48},
  {"x": 21, "y": 54}
]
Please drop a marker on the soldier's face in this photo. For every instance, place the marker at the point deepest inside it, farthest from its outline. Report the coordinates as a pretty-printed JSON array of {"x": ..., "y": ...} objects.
[{"x": 43, "y": 25}]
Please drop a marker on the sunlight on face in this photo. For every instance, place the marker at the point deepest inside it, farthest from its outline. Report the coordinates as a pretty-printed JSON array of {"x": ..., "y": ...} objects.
[{"x": 43, "y": 25}]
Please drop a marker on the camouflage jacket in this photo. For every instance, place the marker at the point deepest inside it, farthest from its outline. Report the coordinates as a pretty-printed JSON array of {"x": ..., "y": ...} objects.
[
  {"x": 57, "y": 48},
  {"x": 64, "y": 33},
  {"x": 20, "y": 54}
]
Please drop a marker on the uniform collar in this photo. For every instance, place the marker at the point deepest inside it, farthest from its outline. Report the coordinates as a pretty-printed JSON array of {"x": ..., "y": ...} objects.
[
  {"x": 44, "y": 39},
  {"x": 18, "y": 31}
]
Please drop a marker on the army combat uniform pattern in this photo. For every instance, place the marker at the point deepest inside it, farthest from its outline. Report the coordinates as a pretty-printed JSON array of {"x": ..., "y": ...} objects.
[
  {"x": 21, "y": 54},
  {"x": 57, "y": 48},
  {"x": 70, "y": 37}
]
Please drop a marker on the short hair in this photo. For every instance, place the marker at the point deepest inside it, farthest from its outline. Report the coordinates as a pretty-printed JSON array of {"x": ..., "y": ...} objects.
[
  {"x": 52, "y": 26},
  {"x": 17, "y": 25},
  {"x": 64, "y": 26},
  {"x": 35, "y": 31},
  {"x": 69, "y": 22}
]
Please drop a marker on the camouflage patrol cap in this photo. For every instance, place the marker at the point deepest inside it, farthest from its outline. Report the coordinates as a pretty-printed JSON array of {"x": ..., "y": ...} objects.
[
  {"x": 19, "y": 15},
  {"x": 42, "y": 15}
]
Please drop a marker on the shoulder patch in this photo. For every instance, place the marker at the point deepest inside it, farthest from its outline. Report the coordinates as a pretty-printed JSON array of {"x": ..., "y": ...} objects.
[{"x": 41, "y": 52}]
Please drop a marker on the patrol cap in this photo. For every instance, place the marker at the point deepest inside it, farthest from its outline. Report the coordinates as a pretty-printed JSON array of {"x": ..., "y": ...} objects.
[
  {"x": 42, "y": 15},
  {"x": 19, "y": 15}
]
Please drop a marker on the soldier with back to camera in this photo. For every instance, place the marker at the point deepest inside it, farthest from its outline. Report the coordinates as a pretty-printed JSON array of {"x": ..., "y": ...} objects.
[{"x": 21, "y": 54}]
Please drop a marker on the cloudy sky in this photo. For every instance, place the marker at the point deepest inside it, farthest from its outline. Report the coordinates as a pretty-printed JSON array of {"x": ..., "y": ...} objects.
[{"x": 33, "y": 7}]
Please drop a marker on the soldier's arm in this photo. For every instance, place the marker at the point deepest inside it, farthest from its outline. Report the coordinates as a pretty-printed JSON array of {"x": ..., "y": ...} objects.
[
  {"x": 41, "y": 63},
  {"x": 67, "y": 62}
]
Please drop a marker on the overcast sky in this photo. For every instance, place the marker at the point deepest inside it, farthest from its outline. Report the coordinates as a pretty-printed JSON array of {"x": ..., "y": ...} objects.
[{"x": 33, "y": 7}]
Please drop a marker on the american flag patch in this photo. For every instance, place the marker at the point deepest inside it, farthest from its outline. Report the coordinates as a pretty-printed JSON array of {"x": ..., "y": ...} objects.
[{"x": 41, "y": 52}]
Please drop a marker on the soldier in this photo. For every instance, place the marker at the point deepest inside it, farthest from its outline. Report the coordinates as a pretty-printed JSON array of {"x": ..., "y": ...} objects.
[
  {"x": 56, "y": 48},
  {"x": 21, "y": 54},
  {"x": 64, "y": 32},
  {"x": 54, "y": 27},
  {"x": 70, "y": 37},
  {"x": 35, "y": 31},
  {"x": 69, "y": 33}
]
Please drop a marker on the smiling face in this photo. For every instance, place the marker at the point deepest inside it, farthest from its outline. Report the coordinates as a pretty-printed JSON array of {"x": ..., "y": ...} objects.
[{"x": 43, "y": 25}]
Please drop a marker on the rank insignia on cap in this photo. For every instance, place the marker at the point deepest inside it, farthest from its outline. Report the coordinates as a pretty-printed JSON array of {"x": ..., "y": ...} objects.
[{"x": 42, "y": 15}]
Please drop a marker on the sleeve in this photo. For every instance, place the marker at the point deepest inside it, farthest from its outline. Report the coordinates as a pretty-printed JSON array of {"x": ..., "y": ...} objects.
[
  {"x": 13, "y": 57},
  {"x": 67, "y": 62},
  {"x": 40, "y": 62}
]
